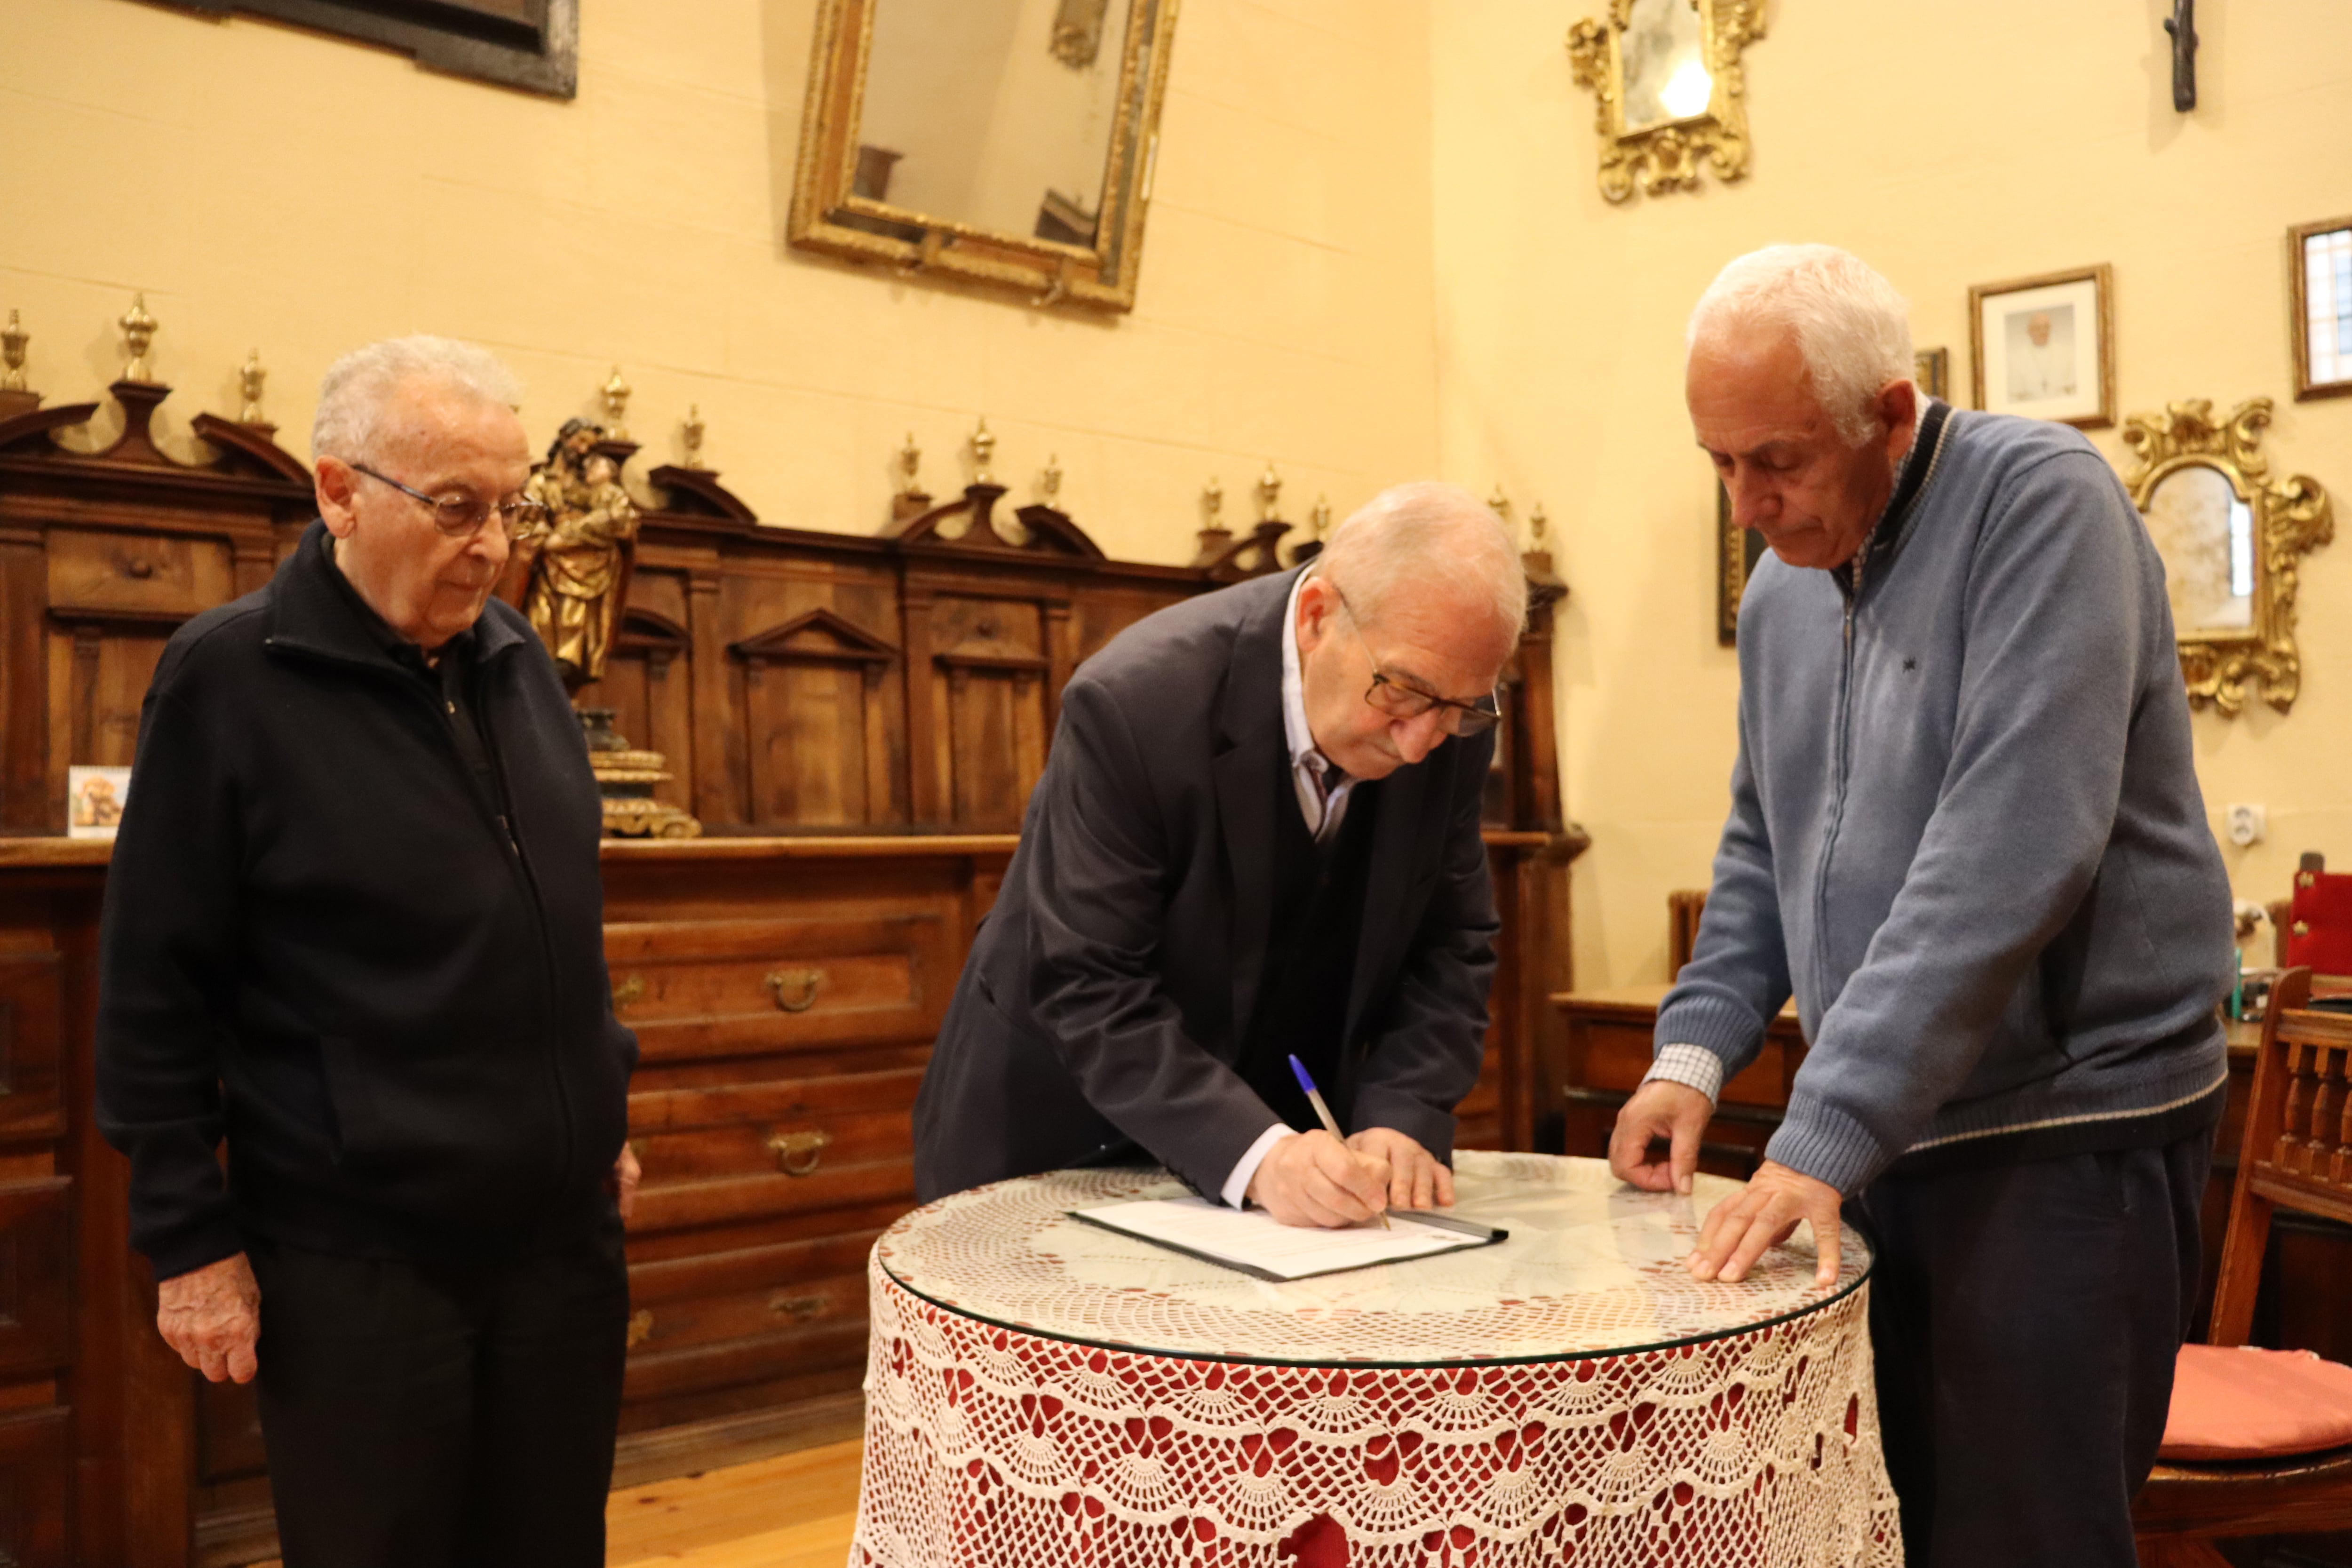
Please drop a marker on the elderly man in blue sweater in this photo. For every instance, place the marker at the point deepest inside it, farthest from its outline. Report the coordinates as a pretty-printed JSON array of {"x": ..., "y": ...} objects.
[{"x": 1965, "y": 834}]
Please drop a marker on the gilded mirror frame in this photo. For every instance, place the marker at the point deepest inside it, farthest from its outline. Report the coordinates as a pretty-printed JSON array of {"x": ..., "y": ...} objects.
[
  {"x": 829, "y": 217},
  {"x": 1666, "y": 157},
  {"x": 2291, "y": 517}
]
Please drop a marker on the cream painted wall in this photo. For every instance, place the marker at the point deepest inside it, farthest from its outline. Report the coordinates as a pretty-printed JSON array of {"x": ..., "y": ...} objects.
[
  {"x": 1948, "y": 145},
  {"x": 274, "y": 188}
]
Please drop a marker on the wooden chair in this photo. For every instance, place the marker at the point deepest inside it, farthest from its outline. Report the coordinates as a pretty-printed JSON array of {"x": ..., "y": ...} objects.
[
  {"x": 1684, "y": 908},
  {"x": 2297, "y": 1154}
]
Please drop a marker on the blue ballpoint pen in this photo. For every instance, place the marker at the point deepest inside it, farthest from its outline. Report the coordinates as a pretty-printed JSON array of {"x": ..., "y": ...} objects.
[{"x": 1330, "y": 1123}]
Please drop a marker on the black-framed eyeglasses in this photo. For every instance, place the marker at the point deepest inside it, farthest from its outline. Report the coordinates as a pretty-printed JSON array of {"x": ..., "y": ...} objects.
[
  {"x": 460, "y": 516},
  {"x": 1398, "y": 700}
]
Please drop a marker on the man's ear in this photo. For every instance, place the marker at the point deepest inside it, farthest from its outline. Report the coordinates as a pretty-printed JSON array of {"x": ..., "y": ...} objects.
[
  {"x": 334, "y": 481},
  {"x": 1318, "y": 603},
  {"x": 1898, "y": 410}
]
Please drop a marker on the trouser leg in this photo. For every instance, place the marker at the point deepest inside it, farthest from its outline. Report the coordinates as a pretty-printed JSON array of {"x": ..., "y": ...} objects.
[
  {"x": 547, "y": 1399},
  {"x": 365, "y": 1393},
  {"x": 2025, "y": 1349}
]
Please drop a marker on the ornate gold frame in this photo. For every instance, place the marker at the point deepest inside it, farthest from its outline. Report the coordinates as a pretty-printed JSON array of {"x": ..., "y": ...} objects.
[
  {"x": 2291, "y": 517},
  {"x": 1666, "y": 157},
  {"x": 828, "y": 217}
]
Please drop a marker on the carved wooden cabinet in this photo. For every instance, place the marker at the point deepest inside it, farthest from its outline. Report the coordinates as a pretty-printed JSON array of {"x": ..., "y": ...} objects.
[{"x": 857, "y": 720}]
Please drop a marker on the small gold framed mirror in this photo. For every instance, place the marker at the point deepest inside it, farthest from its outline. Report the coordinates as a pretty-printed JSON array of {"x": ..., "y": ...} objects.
[
  {"x": 2231, "y": 536},
  {"x": 1000, "y": 141},
  {"x": 1670, "y": 90}
]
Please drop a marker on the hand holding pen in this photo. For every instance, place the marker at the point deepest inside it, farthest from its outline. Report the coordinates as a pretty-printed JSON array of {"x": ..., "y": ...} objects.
[{"x": 1330, "y": 1123}]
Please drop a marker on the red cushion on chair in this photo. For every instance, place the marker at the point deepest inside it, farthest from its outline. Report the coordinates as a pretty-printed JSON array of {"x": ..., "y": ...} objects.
[{"x": 2237, "y": 1403}]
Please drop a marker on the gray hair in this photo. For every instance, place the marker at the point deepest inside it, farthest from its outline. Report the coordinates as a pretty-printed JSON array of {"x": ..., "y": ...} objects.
[
  {"x": 352, "y": 397},
  {"x": 1851, "y": 327},
  {"x": 1427, "y": 533}
]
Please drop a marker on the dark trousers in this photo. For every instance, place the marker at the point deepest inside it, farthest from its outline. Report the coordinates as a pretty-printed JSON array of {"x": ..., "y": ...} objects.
[
  {"x": 2024, "y": 1319},
  {"x": 423, "y": 1415}
]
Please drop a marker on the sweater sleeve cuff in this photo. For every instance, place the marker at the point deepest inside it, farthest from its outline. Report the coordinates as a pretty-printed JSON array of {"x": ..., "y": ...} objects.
[
  {"x": 1713, "y": 1022},
  {"x": 1818, "y": 1139},
  {"x": 1695, "y": 1065}
]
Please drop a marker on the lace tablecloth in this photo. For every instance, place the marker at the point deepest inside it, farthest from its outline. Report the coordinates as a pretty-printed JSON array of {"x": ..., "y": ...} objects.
[{"x": 1046, "y": 1394}]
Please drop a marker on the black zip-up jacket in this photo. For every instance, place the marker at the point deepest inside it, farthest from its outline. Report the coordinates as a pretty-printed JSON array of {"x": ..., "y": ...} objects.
[{"x": 329, "y": 940}]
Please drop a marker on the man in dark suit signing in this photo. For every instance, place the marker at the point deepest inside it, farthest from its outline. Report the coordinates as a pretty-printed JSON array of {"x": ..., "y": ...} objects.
[{"x": 1256, "y": 835}]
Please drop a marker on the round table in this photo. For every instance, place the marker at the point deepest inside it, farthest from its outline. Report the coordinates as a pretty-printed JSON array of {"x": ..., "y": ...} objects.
[{"x": 1042, "y": 1393}]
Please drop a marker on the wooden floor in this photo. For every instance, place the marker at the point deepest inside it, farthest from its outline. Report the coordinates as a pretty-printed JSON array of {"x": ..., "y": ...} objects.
[{"x": 796, "y": 1511}]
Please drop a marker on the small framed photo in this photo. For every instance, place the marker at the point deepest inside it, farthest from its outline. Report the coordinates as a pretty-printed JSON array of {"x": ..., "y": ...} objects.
[
  {"x": 2319, "y": 278},
  {"x": 1932, "y": 369},
  {"x": 94, "y": 801},
  {"x": 1737, "y": 552},
  {"x": 2044, "y": 347}
]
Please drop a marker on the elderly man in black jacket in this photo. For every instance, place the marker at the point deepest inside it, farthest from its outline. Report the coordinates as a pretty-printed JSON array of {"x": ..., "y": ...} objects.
[{"x": 353, "y": 931}]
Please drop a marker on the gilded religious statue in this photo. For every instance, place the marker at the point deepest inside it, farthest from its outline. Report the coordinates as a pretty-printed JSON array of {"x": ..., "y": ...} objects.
[
  {"x": 574, "y": 594},
  {"x": 576, "y": 576}
]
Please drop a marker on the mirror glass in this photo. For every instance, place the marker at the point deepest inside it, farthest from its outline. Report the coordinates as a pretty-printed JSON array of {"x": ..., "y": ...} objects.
[
  {"x": 994, "y": 113},
  {"x": 2206, "y": 536},
  {"x": 1664, "y": 64}
]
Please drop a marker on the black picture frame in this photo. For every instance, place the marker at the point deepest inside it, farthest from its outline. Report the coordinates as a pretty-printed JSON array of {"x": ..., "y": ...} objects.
[{"x": 534, "y": 45}]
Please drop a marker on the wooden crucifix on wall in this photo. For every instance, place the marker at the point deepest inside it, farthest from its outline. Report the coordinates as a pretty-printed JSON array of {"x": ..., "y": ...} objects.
[{"x": 2183, "y": 26}]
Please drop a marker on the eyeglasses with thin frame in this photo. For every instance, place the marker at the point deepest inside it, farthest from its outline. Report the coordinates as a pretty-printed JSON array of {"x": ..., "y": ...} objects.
[
  {"x": 461, "y": 516},
  {"x": 1399, "y": 700}
]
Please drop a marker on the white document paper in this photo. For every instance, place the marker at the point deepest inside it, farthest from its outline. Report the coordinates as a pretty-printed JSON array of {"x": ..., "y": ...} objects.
[{"x": 1253, "y": 1241}]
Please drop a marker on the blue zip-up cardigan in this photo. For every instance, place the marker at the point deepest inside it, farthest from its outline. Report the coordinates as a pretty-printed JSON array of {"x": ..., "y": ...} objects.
[{"x": 1966, "y": 829}]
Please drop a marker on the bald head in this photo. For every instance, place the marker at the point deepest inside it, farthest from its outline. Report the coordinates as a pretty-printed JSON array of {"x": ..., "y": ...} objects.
[{"x": 1430, "y": 548}]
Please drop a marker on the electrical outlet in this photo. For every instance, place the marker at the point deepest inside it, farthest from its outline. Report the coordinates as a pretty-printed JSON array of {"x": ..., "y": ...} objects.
[{"x": 2246, "y": 824}]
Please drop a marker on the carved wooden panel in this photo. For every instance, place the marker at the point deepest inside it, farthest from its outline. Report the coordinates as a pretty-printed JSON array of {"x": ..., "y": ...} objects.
[
  {"x": 818, "y": 713},
  {"x": 30, "y": 1046},
  {"x": 35, "y": 1220},
  {"x": 989, "y": 704},
  {"x": 35, "y": 1450}
]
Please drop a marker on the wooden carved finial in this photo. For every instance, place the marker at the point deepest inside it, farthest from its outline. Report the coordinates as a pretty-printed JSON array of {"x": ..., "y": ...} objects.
[
  {"x": 13, "y": 340},
  {"x": 138, "y": 331},
  {"x": 1212, "y": 501},
  {"x": 983, "y": 446},
  {"x": 615, "y": 393},
  {"x": 1269, "y": 493},
  {"x": 1536, "y": 523},
  {"x": 249, "y": 379},
  {"x": 1049, "y": 483},
  {"x": 1318, "y": 522},
  {"x": 689, "y": 435},
  {"x": 910, "y": 458},
  {"x": 1500, "y": 502}
]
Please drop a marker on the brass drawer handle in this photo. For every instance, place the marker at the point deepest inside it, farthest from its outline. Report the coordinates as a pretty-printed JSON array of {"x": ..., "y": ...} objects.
[
  {"x": 139, "y": 566},
  {"x": 640, "y": 1327},
  {"x": 799, "y": 1309},
  {"x": 796, "y": 989},
  {"x": 797, "y": 1153},
  {"x": 631, "y": 989}
]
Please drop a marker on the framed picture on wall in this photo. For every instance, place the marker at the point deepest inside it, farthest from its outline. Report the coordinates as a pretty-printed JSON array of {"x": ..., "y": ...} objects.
[
  {"x": 2319, "y": 277},
  {"x": 1737, "y": 552},
  {"x": 1932, "y": 369},
  {"x": 2044, "y": 347}
]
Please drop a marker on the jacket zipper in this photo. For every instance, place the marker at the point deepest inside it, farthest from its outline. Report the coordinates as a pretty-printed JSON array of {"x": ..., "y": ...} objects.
[
  {"x": 546, "y": 957},
  {"x": 1839, "y": 772}
]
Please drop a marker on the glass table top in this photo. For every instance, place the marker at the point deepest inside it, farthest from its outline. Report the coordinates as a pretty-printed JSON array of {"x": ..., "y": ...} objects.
[{"x": 1591, "y": 1267}]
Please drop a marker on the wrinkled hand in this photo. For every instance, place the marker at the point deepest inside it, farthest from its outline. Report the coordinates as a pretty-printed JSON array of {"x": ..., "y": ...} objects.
[
  {"x": 1416, "y": 1181},
  {"x": 1659, "y": 1108},
  {"x": 1739, "y": 1229},
  {"x": 212, "y": 1316},
  {"x": 622, "y": 1183},
  {"x": 1312, "y": 1178}
]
